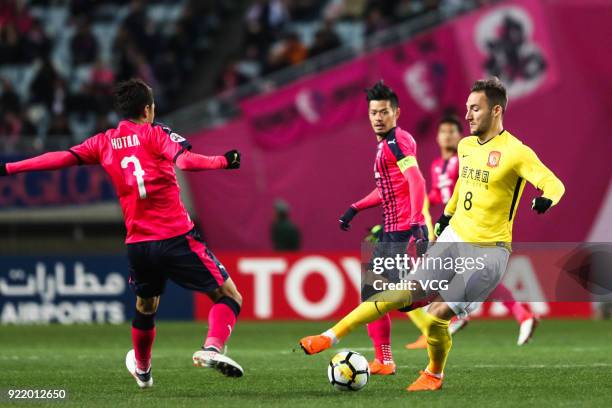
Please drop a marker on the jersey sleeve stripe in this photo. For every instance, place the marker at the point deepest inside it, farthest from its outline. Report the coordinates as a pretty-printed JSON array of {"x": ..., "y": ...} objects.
[
  {"x": 176, "y": 156},
  {"x": 394, "y": 147},
  {"x": 517, "y": 190},
  {"x": 77, "y": 156}
]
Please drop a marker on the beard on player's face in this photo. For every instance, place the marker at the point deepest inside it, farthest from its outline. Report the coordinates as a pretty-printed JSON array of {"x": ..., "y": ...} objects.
[{"x": 484, "y": 125}]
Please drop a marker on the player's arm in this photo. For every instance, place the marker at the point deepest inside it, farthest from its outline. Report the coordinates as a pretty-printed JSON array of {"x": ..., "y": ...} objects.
[
  {"x": 371, "y": 200},
  {"x": 85, "y": 153},
  {"x": 189, "y": 161},
  {"x": 405, "y": 153},
  {"x": 46, "y": 161},
  {"x": 172, "y": 146},
  {"x": 451, "y": 206},
  {"x": 416, "y": 183},
  {"x": 534, "y": 171}
]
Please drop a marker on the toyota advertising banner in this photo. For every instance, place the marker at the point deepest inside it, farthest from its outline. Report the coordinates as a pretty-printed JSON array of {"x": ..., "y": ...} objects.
[{"x": 315, "y": 286}]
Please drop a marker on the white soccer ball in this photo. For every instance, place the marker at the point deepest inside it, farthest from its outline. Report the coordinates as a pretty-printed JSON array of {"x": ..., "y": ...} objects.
[{"x": 348, "y": 371}]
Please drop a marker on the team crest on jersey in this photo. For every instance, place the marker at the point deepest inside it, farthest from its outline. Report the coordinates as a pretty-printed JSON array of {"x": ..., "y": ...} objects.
[
  {"x": 494, "y": 157},
  {"x": 176, "y": 137}
]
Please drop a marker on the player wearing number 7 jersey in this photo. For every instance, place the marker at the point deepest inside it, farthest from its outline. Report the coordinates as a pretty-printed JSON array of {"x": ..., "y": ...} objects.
[{"x": 139, "y": 156}]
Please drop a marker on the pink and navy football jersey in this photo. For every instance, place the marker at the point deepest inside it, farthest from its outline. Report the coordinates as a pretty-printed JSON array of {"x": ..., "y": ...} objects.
[
  {"x": 391, "y": 183},
  {"x": 444, "y": 175},
  {"x": 139, "y": 158}
]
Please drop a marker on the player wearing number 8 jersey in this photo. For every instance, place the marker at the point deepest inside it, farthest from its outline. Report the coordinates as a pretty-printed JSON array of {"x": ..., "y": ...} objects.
[
  {"x": 139, "y": 156},
  {"x": 493, "y": 166}
]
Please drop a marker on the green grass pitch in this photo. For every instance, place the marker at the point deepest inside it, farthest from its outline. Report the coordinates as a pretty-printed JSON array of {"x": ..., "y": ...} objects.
[{"x": 568, "y": 364}]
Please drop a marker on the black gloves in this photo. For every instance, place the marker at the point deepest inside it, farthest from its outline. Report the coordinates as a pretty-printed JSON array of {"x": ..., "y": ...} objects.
[
  {"x": 346, "y": 218},
  {"x": 233, "y": 159},
  {"x": 421, "y": 240},
  {"x": 2, "y": 169},
  {"x": 441, "y": 224},
  {"x": 417, "y": 232},
  {"x": 541, "y": 204}
]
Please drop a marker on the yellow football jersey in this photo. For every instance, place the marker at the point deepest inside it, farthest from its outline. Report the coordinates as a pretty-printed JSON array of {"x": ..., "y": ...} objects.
[{"x": 491, "y": 180}]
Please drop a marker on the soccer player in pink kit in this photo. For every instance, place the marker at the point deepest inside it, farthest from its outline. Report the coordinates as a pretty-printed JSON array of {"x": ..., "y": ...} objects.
[
  {"x": 400, "y": 188},
  {"x": 162, "y": 243},
  {"x": 444, "y": 175}
]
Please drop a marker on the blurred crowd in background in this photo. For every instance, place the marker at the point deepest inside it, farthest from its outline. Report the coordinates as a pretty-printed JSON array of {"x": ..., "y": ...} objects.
[
  {"x": 284, "y": 33},
  {"x": 60, "y": 59}
]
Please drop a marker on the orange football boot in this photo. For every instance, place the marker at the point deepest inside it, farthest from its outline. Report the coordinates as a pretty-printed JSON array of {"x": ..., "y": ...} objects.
[
  {"x": 425, "y": 382},
  {"x": 420, "y": 343},
  {"x": 378, "y": 368},
  {"x": 315, "y": 344}
]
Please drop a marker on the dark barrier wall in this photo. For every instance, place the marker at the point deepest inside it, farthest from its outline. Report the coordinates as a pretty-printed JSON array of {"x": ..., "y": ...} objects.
[{"x": 75, "y": 185}]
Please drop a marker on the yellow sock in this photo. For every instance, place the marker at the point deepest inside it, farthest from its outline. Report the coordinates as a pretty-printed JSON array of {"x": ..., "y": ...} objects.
[
  {"x": 418, "y": 317},
  {"x": 439, "y": 343},
  {"x": 367, "y": 312}
]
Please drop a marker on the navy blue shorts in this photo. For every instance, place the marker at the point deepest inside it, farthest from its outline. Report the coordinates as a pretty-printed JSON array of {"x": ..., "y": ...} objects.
[
  {"x": 397, "y": 242},
  {"x": 389, "y": 245},
  {"x": 184, "y": 259}
]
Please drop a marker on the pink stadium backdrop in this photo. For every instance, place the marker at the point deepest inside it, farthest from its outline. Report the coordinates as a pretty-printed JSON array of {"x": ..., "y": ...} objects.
[{"x": 310, "y": 142}]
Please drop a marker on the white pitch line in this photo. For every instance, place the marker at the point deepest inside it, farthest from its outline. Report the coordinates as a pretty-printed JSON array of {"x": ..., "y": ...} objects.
[{"x": 528, "y": 366}]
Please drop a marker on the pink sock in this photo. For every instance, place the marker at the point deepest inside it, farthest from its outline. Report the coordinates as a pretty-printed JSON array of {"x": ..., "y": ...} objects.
[
  {"x": 221, "y": 321},
  {"x": 142, "y": 341},
  {"x": 502, "y": 293},
  {"x": 520, "y": 313},
  {"x": 380, "y": 333}
]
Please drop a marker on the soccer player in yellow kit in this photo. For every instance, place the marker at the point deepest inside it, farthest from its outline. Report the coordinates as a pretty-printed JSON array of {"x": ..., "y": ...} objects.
[{"x": 477, "y": 223}]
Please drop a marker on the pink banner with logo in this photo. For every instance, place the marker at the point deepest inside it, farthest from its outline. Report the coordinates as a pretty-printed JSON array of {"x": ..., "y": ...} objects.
[
  {"x": 309, "y": 106},
  {"x": 428, "y": 77},
  {"x": 323, "y": 165},
  {"x": 510, "y": 41}
]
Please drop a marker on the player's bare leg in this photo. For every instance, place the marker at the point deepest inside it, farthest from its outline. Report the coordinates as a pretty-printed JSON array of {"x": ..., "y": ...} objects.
[
  {"x": 221, "y": 320},
  {"x": 138, "y": 360},
  {"x": 439, "y": 343}
]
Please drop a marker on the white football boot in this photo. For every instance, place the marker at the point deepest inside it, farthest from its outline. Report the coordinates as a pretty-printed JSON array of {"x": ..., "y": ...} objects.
[
  {"x": 210, "y": 357},
  {"x": 456, "y": 325},
  {"x": 526, "y": 330},
  {"x": 143, "y": 380}
]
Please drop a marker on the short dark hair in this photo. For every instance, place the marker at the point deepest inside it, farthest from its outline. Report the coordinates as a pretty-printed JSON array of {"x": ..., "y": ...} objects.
[
  {"x": 453, "y": 120},
  {"x": 131, "y": 97},
  {"x": 381, "y": 92},
  {"x": 494, "y": 91}
]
